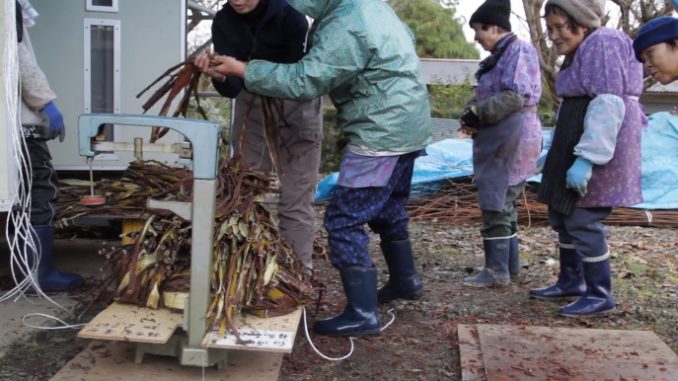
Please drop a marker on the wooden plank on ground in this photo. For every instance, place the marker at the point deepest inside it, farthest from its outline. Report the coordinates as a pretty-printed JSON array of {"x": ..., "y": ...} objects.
[
  {"x": 126, "y": 322},
  {"x": 113, "y": 361},
  {"x": 258, "y": 334},
  {"x": 565, "y": 354},
  {"x": 471, "y": 356}
]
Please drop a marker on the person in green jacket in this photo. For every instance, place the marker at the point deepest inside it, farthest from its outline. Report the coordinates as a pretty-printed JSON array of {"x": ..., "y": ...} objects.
[{"x": 372, "y": 74}]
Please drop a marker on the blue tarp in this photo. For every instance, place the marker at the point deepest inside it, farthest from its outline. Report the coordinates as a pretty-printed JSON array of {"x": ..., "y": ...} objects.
[
  {"x": 660, "y": 163},
  {"x": 451, "y": 158}
]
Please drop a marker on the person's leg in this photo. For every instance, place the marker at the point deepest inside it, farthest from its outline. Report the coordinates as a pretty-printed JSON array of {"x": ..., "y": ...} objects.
[
  {"x": 345, "y": 216},
  {"x": 589, "y": 236},
  {"x": 512, "y": 196},
  {"x": 44, "y": 193},
  {"x": 298, "y": 148},
  {"x": 498, "y": 242},
  {"x": 391, "y": 225},
  {"x": 570, "y": 281}
]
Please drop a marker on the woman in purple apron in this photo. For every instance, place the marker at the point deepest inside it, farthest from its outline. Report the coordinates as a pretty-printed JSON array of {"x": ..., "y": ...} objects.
[
  {"x": 594, "y": 162},
  {"x": 507, "y": 136}
]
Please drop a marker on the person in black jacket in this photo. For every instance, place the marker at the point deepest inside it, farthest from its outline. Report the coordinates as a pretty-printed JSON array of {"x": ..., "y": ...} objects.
[{"x": 272, "y": 30}]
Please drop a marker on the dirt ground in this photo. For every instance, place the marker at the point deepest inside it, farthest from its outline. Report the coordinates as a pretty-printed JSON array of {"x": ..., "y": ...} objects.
[{"x": 421, "y": 344}]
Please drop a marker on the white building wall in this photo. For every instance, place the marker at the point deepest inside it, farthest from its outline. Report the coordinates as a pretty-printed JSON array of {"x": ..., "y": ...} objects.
[
  {"x": 152, "y": 38},
  {"x": 8, "y": 121}
]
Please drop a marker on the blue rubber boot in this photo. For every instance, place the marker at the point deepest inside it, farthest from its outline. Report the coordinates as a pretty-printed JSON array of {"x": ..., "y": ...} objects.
[
  {"x": 597, "y": 300},
  {"x": 403, "y": 281},
  {"x": 361, "y": 315},
  {"x": 514, "y": 256},
  {"x": 496, "y": 272},
  {"x": 50, "y": 278},
  {"x": 570, "y": 279}
]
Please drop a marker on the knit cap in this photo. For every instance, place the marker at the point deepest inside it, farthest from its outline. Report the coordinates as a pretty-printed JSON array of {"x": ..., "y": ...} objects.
[
  {"x": 588, "y": 13},
  {"x": 654, "y": 32},
  {"x": 493, "y": 12}
]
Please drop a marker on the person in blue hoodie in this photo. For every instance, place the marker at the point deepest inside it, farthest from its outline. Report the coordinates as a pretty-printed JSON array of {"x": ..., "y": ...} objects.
[{"x": 272, "y": 30}]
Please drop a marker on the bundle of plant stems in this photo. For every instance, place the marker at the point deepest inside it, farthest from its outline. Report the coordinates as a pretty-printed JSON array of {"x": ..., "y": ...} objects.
[
  {"x": 455, "y": 203},
  {"x": 126, "y": 196},
  {"x": 253, "y": 271}
]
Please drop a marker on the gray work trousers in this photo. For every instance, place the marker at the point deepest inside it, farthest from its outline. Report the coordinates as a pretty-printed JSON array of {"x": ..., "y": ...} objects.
[
  {"x": 297, "y": 141},
  {"x": 583, "y": 227},
  {"x": 504, "y": 223}
]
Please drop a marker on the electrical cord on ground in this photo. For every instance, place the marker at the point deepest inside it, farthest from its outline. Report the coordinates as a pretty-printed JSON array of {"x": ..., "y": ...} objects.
[
  {"x": 63, "y": 324},
  {"x": 351, "y": 338}
]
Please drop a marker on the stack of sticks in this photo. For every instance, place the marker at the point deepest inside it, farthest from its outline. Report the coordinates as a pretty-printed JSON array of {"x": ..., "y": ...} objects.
[{"x": 455, "y": 203}]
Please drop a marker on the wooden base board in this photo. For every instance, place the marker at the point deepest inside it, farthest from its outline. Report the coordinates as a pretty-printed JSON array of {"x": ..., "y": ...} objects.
[
  {"x": 258, "y": 334},
  {"x": 114, "y": 361},
  {"x": 126, "y": 322},
  {"x": 563, "y": 354},
  {"x": 471, "y": 356}
]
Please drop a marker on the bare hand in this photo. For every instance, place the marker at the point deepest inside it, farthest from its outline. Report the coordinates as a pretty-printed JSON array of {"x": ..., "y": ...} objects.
[
  {"x": 219, "y": 67},
  {"x": 226, "y": 65}
]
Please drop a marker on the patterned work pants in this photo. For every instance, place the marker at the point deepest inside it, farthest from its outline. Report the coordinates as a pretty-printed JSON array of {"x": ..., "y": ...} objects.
[{"x": 382, "y": 208}]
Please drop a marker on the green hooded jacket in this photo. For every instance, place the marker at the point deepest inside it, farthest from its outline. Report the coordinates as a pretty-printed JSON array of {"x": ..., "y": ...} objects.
[{"x": 363, "y": 56}]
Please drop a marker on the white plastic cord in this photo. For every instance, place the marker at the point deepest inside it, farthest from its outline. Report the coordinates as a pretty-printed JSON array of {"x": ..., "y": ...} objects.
[
  {"x": 63, "y": 324},
  {"x": 351, "y": 339},
  {"x": 22, "y": 242}
]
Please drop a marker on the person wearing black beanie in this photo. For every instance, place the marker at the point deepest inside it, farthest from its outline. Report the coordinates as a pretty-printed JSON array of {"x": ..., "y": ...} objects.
[
  {"x": 502, "y": 118},
  {"x": 493, "y": 12}
]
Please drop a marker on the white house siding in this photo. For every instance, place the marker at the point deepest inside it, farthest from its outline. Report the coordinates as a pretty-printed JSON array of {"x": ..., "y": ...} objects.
[{"x": 152, "y": 38}]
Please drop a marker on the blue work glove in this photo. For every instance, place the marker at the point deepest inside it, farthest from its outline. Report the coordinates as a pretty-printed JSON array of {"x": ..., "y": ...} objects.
[
  {"x": 54, "y": 122},
  {"x": 578, "y": 176}
]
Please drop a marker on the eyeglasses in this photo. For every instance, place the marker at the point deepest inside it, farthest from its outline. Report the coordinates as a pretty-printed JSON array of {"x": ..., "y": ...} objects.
[{"x": 557, "y": 28}]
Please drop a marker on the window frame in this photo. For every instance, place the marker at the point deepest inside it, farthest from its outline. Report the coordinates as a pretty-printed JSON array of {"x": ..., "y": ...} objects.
[
  {"x": 102, "y": 8},
  {"x": 87, "y": 29}
]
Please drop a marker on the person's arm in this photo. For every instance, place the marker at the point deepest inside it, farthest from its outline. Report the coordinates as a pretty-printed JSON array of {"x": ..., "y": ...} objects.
[
  {"x": 603, "y": 120},
  {"x": 37, "y": 94},
  {"x": 605, "y": 113},
  {"x": 339, "y": 58},
  {"x": 520, "y": 81},
  {"x": 35, "y": 89}
]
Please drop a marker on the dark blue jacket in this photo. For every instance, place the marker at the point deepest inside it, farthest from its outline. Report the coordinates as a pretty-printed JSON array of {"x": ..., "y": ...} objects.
[{"x": 274, "y": 31}]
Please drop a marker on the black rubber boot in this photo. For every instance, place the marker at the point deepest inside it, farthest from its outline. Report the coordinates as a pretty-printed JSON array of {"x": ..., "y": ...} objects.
[
  {"x": 496, "y": 272},
  {"x": 570, "y": 280},
  {"x": 514, "y": 256},
  {"x": 403, "y": 281},
  {"x": 361, "y": 315},
  {"x": 50, "y": 278},
  {"x": 597, "y": 300}
]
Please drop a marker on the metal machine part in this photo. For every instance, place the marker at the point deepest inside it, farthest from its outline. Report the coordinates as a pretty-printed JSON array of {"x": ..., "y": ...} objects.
[{"x": 206, "y": 135}]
